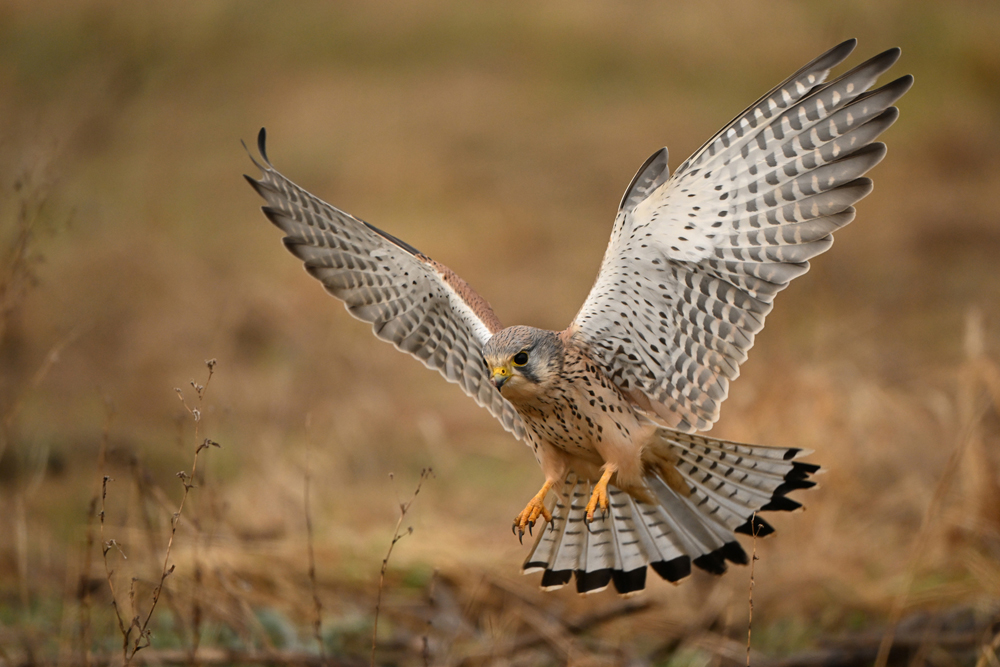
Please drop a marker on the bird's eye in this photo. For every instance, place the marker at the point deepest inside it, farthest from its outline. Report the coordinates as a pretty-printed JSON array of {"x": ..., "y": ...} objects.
[
  {"x": 487, "y": 364},
  {"x": 520, "y": 359}
]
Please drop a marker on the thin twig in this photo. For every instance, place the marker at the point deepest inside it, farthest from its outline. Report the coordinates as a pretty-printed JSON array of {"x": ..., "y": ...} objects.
[
  {"x": 83, "y": 584},
  {"x": 153, "y": 496},
  {"x": 105, "y": 548},
  {"x": 188, "y": 482},
  {"x": 753, "y": 560},
  {"x": 396, "y": 537},
  {"x": 132, "y": 646}
]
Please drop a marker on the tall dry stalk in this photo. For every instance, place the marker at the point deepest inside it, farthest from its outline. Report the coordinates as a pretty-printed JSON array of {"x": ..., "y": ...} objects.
[
  {"x": 396, "y": 537},
  {"x": 753, "y": 561},
  {"x": 136, "y": 635},
  {"x": 83, "y": 583}
]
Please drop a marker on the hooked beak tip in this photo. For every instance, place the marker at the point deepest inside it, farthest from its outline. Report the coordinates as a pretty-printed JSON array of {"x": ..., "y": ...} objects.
[{"x": 498, "y": 381}]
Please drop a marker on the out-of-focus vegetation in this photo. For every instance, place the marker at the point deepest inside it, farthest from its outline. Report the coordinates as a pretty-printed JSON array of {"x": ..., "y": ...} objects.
[{"x": 497, "y": 138}]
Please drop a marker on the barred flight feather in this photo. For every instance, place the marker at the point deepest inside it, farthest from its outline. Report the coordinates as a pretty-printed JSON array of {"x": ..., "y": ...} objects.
[
  {"x": 697, "y": 258},
  {"x": 413, "y": 302},
  {"x": 728, "y": 483}
]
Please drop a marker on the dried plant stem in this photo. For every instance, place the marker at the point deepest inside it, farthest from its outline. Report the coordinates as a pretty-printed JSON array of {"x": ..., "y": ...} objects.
[
  {"x": 317, "y": 605},
  {"x": 130, "y": 645},
  {"x": 396, "y": 537},
  {"x": 188, "y": 482},
  {"x": 153, "y": 495},
  {"x": 83, "y": 587},
  {"x": 106, "y": 547},
  {"x": 83, "y": 583},
  {"x": 753, "y": 560}
]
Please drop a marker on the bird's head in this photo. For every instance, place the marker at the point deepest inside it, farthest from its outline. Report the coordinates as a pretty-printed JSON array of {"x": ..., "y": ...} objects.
[{"x": 522, "y": 361}]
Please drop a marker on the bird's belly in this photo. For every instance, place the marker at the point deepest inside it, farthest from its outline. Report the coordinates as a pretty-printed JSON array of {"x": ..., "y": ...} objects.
[{"x": 585, "y": 424}]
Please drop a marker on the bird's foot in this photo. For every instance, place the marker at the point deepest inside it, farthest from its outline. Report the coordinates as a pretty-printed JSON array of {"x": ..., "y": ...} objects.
[
  {"x": 599, "y": 497},
  {"x": 534, "y": 509}
]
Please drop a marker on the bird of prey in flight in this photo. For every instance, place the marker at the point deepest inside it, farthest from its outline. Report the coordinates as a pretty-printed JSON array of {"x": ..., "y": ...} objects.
[{"x": 614, "y": 406}]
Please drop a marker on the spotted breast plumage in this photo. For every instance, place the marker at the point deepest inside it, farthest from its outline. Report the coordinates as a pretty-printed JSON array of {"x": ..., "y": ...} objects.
[{"x": 613, "y": 405}]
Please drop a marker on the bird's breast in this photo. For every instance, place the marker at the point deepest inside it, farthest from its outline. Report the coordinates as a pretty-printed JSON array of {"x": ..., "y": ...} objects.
[{"x": 582, "y": 413}]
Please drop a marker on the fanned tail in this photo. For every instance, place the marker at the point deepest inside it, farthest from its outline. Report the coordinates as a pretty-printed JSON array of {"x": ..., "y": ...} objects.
[{"x": 704, "y": 489}]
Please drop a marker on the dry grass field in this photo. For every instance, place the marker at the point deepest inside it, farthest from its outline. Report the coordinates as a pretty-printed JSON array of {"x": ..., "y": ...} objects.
[{"x": 497, "y": 138}]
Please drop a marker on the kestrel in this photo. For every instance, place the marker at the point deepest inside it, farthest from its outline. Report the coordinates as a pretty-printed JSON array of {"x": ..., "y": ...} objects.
[{"x": 611, "y": 406}]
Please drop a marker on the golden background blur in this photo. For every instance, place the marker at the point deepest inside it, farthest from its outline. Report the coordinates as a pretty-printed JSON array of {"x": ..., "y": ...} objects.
[{"x": 497, "y": 138}]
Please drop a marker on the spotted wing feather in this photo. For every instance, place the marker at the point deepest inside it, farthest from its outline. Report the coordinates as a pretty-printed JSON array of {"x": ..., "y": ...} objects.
[
  {"x": 694, "y": 261},
  {"x": 413, "y": 302}
]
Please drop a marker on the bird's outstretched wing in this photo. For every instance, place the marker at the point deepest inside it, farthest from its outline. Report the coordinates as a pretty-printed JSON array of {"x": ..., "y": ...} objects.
[
  {"x": 413, "y": 302},
  {"x": 695, "y": 260}
]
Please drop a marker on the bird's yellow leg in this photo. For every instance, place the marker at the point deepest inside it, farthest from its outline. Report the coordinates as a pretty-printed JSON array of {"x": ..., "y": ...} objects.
[
  {"x": 599, "y": 498},
  {"x": 534, "y": 509}
]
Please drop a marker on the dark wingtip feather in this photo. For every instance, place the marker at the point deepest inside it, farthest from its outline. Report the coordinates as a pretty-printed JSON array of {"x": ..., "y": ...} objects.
[
  {"x": 587, "y": 582},
  {"x": 831, "y": 58},
  {"x": 261, "y": 141},
  {"x": 629, "y": 582},
  {"x": 556, "y": 578},
  {"x": 715, "y": 561},
  {"x": 647, "y": 179},
  {"x": 793, "y": 484},
  {"x": 796, "y": 478},
  {"x": 755, "y": 526},
  {"x": 892, "y": 55},
  {"x": 254, "y": 183},
  {"x": 275, "y": 216},
  {"x": 895, "y": 88},
  {"x": 712, "y": 562},
  {"x": 801, "y": 469},
  {"x": 733, "y": 552},
  {"x": 780, "y": 504},
  {"x": 878, "y": 64},
  {"x": 844, "y": 49},
  {"x": 252, "y": 158},
  {"x": 673, "y": 570}
]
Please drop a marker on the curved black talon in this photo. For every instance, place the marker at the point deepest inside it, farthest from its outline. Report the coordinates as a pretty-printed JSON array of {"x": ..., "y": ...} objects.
[
  {"x": 520, "y": 536},
  {"x": 530, "y": 526}
]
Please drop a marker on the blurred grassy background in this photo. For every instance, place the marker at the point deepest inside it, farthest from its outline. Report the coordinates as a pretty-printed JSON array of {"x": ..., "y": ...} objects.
[{"x": 497, "y": 138}]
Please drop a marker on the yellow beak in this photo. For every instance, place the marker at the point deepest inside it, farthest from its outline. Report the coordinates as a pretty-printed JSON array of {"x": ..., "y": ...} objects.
[{"x": 500, "y": 375}]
